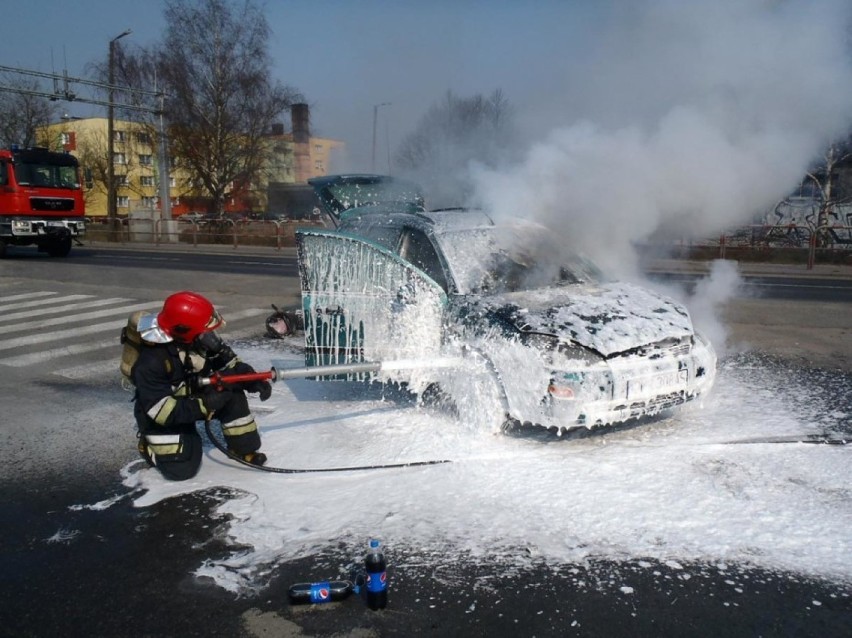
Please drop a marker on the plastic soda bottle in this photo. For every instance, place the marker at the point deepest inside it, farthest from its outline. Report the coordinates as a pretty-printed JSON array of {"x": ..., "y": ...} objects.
[
  {"x": 377, "y": 577},
  {"x": 321, "y": 592}
]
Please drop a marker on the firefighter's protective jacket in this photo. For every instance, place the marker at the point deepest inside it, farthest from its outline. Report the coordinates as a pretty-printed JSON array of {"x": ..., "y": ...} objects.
[{"x": 162, "y": 376}]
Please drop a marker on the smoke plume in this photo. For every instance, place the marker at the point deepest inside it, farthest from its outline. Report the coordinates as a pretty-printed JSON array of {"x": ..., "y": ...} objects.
[{"x": 688, "y": 117}]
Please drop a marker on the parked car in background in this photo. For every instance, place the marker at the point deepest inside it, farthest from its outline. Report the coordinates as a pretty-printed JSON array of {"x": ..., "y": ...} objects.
[
  {"x": 266, "y": 217},
  {"x": 192, "y": 217},
  {"x": 538, "y": 336}
]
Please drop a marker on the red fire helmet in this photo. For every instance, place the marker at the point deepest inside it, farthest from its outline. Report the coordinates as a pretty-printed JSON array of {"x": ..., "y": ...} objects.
[{"x": 185, "y": 315}]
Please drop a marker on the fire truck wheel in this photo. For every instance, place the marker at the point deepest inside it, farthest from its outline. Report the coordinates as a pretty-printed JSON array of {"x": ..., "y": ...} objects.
[{"x": 60, "y": 247}]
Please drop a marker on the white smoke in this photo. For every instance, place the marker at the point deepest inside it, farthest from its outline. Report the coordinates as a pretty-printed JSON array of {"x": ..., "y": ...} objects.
[
  {"x": 695, "y": 116},
  {"x": 711, "y": 294}
]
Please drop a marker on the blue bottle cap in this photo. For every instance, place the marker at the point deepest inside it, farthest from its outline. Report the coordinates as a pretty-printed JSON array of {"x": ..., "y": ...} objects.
[{"x": 374, "y": 543}]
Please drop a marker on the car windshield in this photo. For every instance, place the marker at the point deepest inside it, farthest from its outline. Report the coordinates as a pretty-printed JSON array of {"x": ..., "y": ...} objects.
[{"x": 512, "y": 258}]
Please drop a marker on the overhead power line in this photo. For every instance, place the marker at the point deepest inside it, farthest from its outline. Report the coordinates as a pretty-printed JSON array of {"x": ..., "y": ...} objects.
[{"x": 68, "y": 95}]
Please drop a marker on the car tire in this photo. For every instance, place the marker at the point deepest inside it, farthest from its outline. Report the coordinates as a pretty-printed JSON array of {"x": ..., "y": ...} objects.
[{"x": 472, "y": 393}]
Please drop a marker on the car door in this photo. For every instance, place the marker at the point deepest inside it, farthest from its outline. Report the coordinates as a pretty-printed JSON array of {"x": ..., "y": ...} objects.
[{"x": 362, "y": 302}]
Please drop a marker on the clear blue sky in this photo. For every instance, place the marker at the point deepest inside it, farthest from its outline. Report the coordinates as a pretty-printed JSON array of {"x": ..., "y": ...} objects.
[
  {"x": 618, "y": 63},
  {"x": 344, "y": 56}
]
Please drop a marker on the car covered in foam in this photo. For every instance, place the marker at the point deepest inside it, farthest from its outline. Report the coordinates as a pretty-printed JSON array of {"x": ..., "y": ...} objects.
[{"x": 502, "y": 320}]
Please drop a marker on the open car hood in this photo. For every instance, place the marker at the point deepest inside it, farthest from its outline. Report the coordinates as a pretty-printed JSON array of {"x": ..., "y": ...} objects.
[
  {"x": 607, "y": 318},
  {"x": 340, "y": 193}
]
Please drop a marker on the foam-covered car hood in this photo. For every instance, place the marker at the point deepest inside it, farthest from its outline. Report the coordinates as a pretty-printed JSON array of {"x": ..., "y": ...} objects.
[{"x": 608, "y": 318}]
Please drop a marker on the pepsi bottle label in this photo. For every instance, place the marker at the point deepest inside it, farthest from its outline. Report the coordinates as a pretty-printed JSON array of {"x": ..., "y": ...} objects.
[
  {"x": 377, "y": 581},
  {"x": 320, "y": 592}
]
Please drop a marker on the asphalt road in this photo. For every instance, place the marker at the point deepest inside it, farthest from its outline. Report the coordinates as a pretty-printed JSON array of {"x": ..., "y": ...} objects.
[
  {"x": 793, "y": 282},
  {"x": 127, "y": 572}
]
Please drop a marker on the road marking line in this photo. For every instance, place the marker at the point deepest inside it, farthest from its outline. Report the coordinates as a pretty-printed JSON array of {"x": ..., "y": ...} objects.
[
  {"x": 26, "y": 295},
  {"x": 46, "y": 355},
  {"x": 43, "y": 302},
  {"x": 8, "y": 344},
  {"x": 81, "y": 348},
  {"x": 98, "y": 369},
  {"x": 65, "y": 320},
  {"x": 65, "y": 308},
  {"x": 245, "y": 314}
]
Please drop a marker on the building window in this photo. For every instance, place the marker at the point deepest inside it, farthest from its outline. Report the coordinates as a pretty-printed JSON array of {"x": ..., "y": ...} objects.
[
  {"x": 149, "y": 202},
  {"x": 143, "y": 138},
  {"x": 121, "y": 180},
  {"x": 318, "y": 165},
  {"x": 146, "y": 180},
  {"x": 119, "y": 158},
  {"x": 146, "y": 160},
  {"x": 118, "y": 136},
  {"x": 172, "y": 182},
  {"x": 318, "y": 148},
  {"x": 122, "y": 201},
  {"x": 64, "y": 138}
]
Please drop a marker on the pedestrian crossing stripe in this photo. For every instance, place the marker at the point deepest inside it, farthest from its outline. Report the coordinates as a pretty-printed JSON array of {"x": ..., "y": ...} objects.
[
  {"x": 27, "y": 295},
  {"x": 83, "y": 316},
  {"x": 57, "y": 335},
  {"x": 242, "y": 314},
  {"x": 42, "y": 302},
  {"x": 38, "y": 310},
  {"x": 42, "y": 356},
  {"x": 94, "y": 303},
  {"x": 97, "y": 370}
]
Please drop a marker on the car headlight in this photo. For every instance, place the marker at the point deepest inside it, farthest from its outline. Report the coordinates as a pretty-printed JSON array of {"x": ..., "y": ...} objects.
[{"x": 575, "y": 372}]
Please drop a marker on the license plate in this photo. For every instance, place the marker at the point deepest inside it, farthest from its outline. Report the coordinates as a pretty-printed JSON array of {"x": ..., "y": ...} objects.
[{"x": 655, "y": 384}]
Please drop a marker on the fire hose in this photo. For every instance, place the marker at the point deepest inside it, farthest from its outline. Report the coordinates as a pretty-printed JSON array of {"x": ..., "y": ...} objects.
[{"x": 221, "y": 381}]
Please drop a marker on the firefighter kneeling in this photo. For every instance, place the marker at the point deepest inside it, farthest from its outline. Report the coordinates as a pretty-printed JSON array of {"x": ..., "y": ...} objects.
[{"x": 179, "y": 347}]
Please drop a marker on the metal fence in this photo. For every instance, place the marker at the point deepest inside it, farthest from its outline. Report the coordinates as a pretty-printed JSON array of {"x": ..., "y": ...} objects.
[
  {"x": 803, "y": 243},
  {"x": 795, "y": 242},
  {"x": 219, "y": 232}
]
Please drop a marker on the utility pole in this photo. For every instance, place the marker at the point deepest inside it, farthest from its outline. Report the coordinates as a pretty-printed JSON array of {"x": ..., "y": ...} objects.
[
  {"x": 165, "y": 180},
  {"x": 112, "y": 212},
  {"x": 375, "y": 122}
]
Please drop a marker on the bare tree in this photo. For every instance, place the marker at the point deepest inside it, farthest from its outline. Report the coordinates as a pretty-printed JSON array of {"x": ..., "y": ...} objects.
[
  {"x": 825, "y": 175},
  {"x": 222, "y": 102},
  {"x": 453, "y": 133},
  {"x": 21, "y": 115}
]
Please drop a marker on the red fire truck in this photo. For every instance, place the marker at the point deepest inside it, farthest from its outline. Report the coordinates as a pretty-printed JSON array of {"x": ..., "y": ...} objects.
[{"x": 41, "y": 201}]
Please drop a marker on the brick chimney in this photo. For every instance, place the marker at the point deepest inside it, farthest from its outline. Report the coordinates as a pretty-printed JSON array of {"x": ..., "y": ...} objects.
[{"x": 301, "y": 118}]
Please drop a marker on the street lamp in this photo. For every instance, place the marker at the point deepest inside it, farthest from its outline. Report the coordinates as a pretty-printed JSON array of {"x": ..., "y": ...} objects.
[
  {"x": 375, "y": 121},
  {"x": 112, "y": 213}
]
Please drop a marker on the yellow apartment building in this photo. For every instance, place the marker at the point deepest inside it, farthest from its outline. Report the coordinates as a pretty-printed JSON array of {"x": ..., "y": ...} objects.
[{"x": 295, "y": 157}]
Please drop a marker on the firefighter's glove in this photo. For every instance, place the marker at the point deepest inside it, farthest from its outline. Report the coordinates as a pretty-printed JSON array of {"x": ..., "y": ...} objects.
[
  {"x": 193, "y": 382},
  {"x": 263, "y": 388},
  {"x": 224, "y": 358},
  {"x": 214, "y": 400},
  {"x": 241, "y": 367}
]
